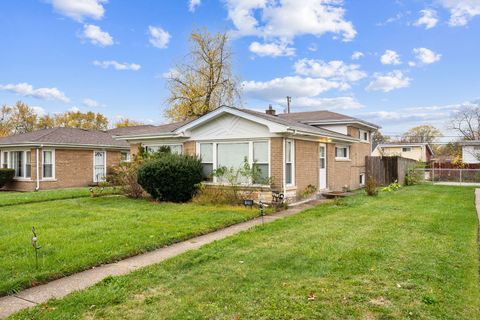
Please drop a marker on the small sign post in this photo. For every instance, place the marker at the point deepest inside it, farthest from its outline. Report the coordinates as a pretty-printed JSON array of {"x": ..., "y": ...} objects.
[{"x": 35, "y": 246}]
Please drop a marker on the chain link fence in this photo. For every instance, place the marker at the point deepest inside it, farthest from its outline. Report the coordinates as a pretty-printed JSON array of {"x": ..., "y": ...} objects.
[{"x": 447, "y": 176}]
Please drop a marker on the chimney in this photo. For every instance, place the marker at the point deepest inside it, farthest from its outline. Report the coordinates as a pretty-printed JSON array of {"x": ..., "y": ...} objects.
[{"x": 270, "y": 110}]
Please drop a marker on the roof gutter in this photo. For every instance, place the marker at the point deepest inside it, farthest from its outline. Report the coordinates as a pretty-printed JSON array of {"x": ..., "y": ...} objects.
[
  {"x": 334, "y": 137},
  {"x": 67, "y": 145},
  {"x": 147, "y": 136}
]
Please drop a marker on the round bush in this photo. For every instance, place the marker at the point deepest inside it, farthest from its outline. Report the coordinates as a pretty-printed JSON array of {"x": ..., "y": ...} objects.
[
  {"x": 6, "y": 175},
  {"x": 171, "y": 177}
]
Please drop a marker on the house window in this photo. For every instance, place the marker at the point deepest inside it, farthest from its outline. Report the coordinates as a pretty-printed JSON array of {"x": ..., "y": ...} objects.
[
  {"x": 289, "y": 156},
  {"x": 476, "y": 148},
  {"x": 174, "y": 148},
  {"x": 362, "y": 179},
  {"x": 342, "y": 152},
  {"x": 232, "y": 155},
  {"x": 406, "y": 149},
  {"x": 363, "y": 135},
  {"x": 206, "y": 154},
  {"x": 47, "y": 164},
  {"x": 260, "y": 158},
  {"x": 125, "y": 157},
  {"x": 16, "y": 159},
  {"x": 5, "y": 160},
  {"x": 28, "y": 164}
]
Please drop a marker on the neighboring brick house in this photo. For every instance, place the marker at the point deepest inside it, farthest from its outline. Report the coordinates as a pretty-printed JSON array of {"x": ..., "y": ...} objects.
[
  {"x": 324, "y": 149},
  {"x": 415, "y": 151},
  {"x": 62, "y": 157}
]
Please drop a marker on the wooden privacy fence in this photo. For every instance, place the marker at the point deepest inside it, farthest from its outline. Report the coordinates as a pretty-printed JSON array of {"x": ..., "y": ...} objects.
[{"x": 386, "y": 170}]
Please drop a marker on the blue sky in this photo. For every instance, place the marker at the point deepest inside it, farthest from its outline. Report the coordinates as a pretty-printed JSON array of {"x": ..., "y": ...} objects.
[{"x": 397, "y": 63}]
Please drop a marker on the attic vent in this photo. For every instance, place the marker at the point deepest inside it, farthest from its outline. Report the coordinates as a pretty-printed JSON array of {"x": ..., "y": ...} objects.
[{"x": 270, "y": 110}]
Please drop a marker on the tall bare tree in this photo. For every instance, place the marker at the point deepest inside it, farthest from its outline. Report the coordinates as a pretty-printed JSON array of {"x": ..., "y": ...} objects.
[
  {"x": 423, "y": 133},
  {"x": 467, "y": 122},
  {"x": 205, "y": 80}
]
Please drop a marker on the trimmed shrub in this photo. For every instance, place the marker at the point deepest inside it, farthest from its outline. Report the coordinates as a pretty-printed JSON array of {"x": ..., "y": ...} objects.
[
  {"x": 6, "y": 175},
  {"x": 171, "y": 177}
]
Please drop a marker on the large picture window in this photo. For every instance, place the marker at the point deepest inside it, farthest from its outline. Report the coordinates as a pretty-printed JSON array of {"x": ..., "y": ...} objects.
[
  {"x": 5, "y": 160},
  {"x": 289, "y": 156},
  {"x": 20, "y": 161},
  {"x": 233, "y": 155},
  {"x": 16, "y": 159},
  {"x": 47, "y": 164}
]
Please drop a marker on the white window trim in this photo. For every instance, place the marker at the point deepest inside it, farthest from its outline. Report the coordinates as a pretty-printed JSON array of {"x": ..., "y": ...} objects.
[
  {"x": 292, "y": 161},
  {"x": 250, "y": 154},
  {"x": 129, "y": 156},
  {"x": 348, "y": 152},
  {"x": 53, "y": 165},
  {"x": 362, "y": 133},
  {"x": 104, "y": 164},
  {"x": 166, "y": 145},
  {"x": 362, "y": 178},
  {"x": 24, "y": 163}
]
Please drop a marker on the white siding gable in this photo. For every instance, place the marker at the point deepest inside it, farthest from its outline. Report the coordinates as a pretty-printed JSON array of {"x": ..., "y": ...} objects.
[
  {"x": 229, "y": 126},
  {"x": 470, "y": 155},
  {"x": 336, "y": 128}
]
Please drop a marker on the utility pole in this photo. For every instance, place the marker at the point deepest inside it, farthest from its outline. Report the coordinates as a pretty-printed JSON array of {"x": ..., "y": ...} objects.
[{"x": 289, "y": 99}]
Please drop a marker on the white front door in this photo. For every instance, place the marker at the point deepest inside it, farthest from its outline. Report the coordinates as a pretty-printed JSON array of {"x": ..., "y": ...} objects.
[
  {"x": 323, "y": 167},
  {"x": 99, "y": 163}
]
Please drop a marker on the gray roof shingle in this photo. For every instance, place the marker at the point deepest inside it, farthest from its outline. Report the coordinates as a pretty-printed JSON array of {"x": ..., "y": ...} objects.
[{"x": 69, "y": 136}]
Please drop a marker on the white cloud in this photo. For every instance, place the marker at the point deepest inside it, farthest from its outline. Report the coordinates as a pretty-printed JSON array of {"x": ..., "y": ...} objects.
[
  {"x": 426, "y": 56},
  {"x": 39, "y": 110},
  {"x": 428, "y": 18},
  {"x": 286, "y": 19},
  {"x": 28, "y": 90},
  {"x": 271, "y": 49},
  {"x": 461, "y": 11},
  {"x": 158, "y": 37},
  {"x": 193, "y": 4},
  {"x": 171, "y": 73},
  {"x": 91, "y": 103},
  {"x": 295, "y": 86},
  {"x": 357, "y": 55},
  {"x": 96, "y": 35},
  {"x": 389, "y": 81},
  {"x": 336, "y": 70},
  {"x": 78, "y": 10},
  {"x": 117, "y": 65},
  {"x": 390, "y": 57}
]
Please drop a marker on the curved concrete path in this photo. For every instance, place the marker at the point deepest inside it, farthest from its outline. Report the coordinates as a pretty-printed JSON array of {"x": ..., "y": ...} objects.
[{"x": 82, "y": 280}]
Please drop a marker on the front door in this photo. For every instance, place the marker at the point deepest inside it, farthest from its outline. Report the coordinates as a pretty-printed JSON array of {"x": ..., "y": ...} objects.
[
  {"x": 99, "y": 171},
  {"x": 323, "y": 167}
]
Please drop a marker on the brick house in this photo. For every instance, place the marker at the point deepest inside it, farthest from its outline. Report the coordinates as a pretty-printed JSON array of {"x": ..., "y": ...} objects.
[
  {"x": 60, "y": 157},
  {"x": 323, "y": 149}
]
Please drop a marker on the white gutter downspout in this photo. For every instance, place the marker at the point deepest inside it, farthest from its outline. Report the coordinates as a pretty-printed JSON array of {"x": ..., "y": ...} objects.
[
  {"x": 284, "y": 169},
  {"x": 37, "y": 172}
]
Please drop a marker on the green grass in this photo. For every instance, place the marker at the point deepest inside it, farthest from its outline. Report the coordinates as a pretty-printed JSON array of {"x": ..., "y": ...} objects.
[
  {"x": 80, "y": 233},
  {"x": 411, "y": 254},
  {"x": 14, "y": 198}
]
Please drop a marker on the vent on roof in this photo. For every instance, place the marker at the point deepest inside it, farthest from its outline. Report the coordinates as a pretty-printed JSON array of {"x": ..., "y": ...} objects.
[{"x": 270, "y": 110}]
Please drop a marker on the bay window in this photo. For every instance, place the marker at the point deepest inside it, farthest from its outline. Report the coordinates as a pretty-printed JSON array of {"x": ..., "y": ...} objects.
[
  {"x": 47, "y": 162},
  {"x": 289, "y": 156},
  {"x": 260, "y": 158},
  {"x": 232, "y": 155},
  {"x": 20, "y": 161},
  {"x": 342, "y": 152},
  {"x": 206, "y": 154}
]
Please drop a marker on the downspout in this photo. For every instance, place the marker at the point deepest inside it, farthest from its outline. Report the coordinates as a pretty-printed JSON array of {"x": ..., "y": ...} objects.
[
  {"x": 284, "y": 183},
  {"x": 37, "y": 172}
]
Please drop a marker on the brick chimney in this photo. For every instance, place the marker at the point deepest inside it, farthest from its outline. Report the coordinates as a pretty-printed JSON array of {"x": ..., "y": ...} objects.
[{"x": 270, "y": 110}]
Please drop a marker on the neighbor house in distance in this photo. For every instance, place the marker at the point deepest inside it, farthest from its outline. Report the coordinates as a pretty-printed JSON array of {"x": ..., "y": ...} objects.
[
  {"x": 322, "y": 149},
  {"x": 470, "y": 151},
  {"x": 415, "y": 151},
  {"x": 60, "y": 157}
]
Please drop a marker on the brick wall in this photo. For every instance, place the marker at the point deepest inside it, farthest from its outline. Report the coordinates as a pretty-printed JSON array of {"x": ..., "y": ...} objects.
[
  {"x": 307, "y": 164},
  {"x": 73, "y": 168},
  {"x": 189, "y": 148},
  {"x": 276, "y": 170},
  {"x": 134, "y": 148}
]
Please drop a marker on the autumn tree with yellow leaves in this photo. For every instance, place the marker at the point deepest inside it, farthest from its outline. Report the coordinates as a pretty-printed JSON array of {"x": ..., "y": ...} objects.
[{"x": 205, "y": 81}]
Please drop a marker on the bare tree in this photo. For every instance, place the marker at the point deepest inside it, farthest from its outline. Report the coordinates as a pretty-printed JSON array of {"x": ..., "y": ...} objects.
[
  {"x": 205, "y": 81},
  {"x": 467, "y": 122}
]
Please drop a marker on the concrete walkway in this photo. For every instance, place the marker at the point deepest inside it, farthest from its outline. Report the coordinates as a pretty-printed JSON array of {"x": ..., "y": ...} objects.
[{"x": 64, "y": 286}]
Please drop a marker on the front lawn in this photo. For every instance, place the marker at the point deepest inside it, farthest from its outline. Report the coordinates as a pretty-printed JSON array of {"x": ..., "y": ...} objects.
[
  {"x": 80, "y": 233},
  {"x": 14, "y": 198},
  {"x": 411, "y": 254}
]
